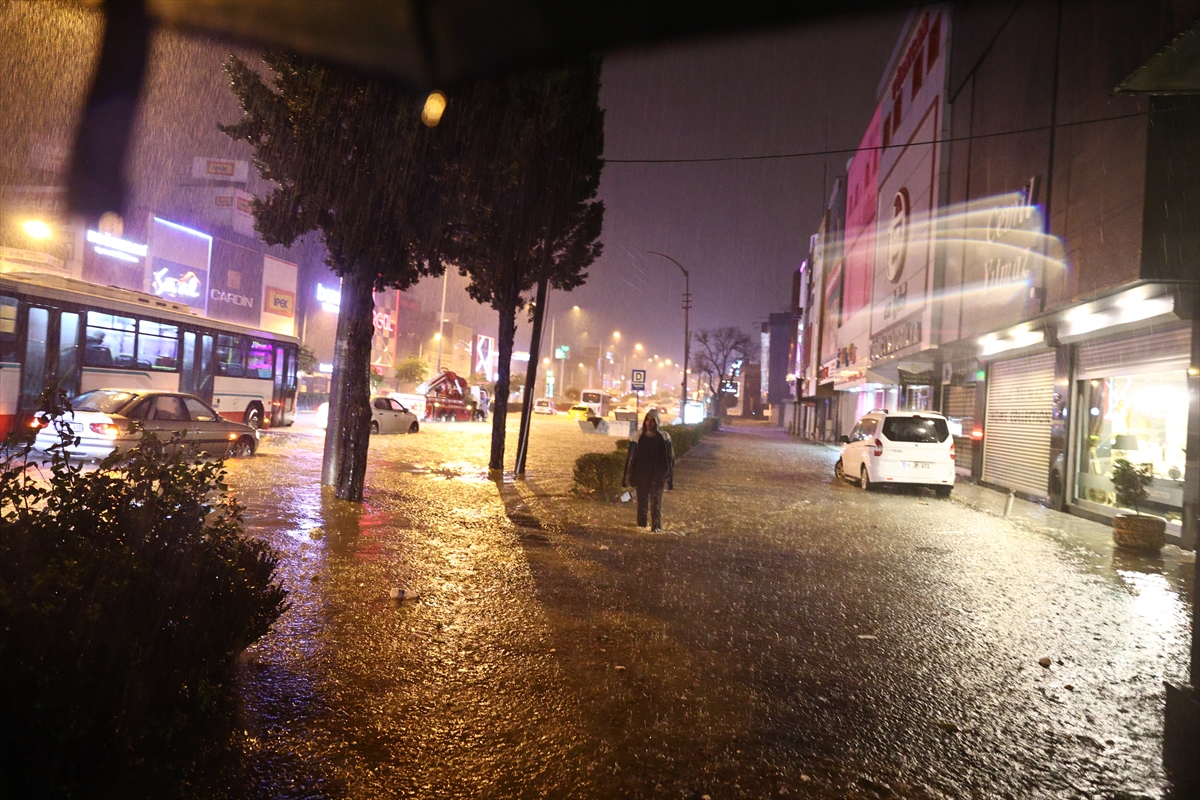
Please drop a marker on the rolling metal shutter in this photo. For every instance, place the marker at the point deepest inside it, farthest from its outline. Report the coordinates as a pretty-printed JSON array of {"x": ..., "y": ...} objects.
[
  {"x": 1016, "y": 439},
  {"x": 1160, "y": 351}
]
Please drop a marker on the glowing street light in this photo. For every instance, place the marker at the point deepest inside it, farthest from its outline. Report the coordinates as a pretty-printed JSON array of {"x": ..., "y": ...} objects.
[
  {"x": 37, "y": 229},
  {"x": 435, "y": 104},
  {"x": 617, "y": 335},
  {"x": 637, "y": 347}
]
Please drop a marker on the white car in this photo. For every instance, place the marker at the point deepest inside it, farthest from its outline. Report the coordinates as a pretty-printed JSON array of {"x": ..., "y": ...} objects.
[
  {"x": 894, "y": 447},
  {"x": 544, "y": 405},
  {"x": 387, "y": 416}
]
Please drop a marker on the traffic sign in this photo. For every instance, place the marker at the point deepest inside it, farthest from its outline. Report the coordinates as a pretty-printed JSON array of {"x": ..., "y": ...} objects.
[
  {"x": 637, "y": 380},
  {"x": 562, "y": 352}
]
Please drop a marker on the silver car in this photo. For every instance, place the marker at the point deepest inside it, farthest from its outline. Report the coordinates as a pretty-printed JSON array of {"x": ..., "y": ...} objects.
[{"x": 108, "y": 420}]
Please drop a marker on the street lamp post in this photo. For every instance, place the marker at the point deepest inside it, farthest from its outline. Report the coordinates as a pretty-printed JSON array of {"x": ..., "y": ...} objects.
[{"x": 687, "y": 333}]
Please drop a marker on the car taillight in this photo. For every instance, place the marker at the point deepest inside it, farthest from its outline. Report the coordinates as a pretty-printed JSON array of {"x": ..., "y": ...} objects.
[
  {"x": 38, "y": 422},
  {"x": 952, "y": 451},
  {"x": 233, "y": 437},
  {"x": 878, "y": 447},
  {"x": 105, "y": 429},
  {"x": 977, "y": 434}
]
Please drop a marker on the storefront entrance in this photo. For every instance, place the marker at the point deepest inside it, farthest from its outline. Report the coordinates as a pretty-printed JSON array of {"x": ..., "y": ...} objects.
[{"x": 1132, "y": 403}]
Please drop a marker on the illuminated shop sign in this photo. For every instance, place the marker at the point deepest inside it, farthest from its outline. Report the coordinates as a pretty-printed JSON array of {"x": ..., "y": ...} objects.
[
  {"x": 177, "y": 282},
  {"x": 233, "y": 298},
  {"x": 163, "y": 284},
  {"x": 111, "y": 246},
  {"x": 383, "y": 322},
  {"x": 282, "y": 302},
  {"x": 330, "y": 299}
]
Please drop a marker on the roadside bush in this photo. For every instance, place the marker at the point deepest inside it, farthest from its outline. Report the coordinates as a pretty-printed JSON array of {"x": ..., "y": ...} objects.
[
  {"x": 623, "y": 445},
  {"x": 126, "y": 593},
  {"x": 599, "y": 474},
  {"x": 683, "y": 437}
]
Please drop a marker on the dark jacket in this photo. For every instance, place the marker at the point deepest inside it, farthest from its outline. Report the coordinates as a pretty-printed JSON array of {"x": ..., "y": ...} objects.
[{"x": 632, "y": 465}]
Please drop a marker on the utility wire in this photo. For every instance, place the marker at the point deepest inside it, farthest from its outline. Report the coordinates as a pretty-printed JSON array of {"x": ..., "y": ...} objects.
[{"x": 844, "y": 151}]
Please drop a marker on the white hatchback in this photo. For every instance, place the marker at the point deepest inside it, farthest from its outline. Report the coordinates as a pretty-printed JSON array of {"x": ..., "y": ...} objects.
[{"x": 910, "y": 447}]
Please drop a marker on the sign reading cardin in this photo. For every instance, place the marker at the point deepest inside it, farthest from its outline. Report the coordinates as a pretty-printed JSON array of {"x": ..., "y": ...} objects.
[{"x": 896, "y": 339}]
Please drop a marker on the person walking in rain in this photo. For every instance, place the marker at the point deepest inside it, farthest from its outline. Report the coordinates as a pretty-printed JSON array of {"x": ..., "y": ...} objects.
[{"x": 649, "y": 467}]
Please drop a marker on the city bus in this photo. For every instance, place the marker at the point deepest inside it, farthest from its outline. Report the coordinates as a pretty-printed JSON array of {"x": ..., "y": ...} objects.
[
  {"x": 84, "y": 337},
  {"x": 598, "y": 401}
]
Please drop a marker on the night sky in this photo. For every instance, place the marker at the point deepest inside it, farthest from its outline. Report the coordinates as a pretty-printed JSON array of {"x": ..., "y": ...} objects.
[{"x": 741, "y": 228}]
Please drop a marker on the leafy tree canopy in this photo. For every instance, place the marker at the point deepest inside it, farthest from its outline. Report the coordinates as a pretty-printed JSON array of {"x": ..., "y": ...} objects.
[{"x": 349, "y": 157}]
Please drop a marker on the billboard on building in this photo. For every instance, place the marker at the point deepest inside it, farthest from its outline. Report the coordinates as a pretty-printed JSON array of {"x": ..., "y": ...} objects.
[
  {"x": 235, "y": 285},
  {"x": 178, "y": 264},
  {"x": 113, "y": 261},
  {"x": 485, "y": 356},
  {"x": 220, "y": 169},
  {"x": 230, "y": 206},
  {"x": 279, "y": 296},
  {"x": 1006, "y": 256},
  {"x": 913, "y": 116}
]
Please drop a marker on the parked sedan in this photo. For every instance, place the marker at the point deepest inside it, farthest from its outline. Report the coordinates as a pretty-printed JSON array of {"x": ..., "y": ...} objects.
[
  {"x": 108, "y": 420},
  {"x": 387, "y": 416}
]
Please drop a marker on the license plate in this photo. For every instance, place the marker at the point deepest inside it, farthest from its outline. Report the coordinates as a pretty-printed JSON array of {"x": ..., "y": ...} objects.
[{"x": 915, "y": 465}]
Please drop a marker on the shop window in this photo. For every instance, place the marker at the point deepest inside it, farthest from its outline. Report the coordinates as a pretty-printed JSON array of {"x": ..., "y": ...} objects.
[
  {"x": 110, "y": 340},
  {"x": 1141, "y": 418},
  {"x": 158, "y": 345}
]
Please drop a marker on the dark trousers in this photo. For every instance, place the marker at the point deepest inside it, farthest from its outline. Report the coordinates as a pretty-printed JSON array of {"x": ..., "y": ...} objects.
[{"x": 650, "y": 494}]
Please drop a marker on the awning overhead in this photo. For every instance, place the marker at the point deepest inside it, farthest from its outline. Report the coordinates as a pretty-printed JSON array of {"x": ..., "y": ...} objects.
[{"x": 1173, "y": 70}]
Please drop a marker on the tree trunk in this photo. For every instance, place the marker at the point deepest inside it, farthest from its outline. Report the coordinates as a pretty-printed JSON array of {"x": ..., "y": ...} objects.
[
  {"x": 508, "y": 330},
  {"x": 349, "y": 428}
]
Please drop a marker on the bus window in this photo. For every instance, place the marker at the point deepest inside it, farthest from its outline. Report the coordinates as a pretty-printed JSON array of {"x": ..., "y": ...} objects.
[
  {"x": 33, "y": 377},
  {"x": 68, "y": 352},
  {"x": 290, "y": 383},
  {"x": 158, "y": 345},
  {"x": 8, "y": 329},
  {"x": 231, "y": 356},
  {"x": 258, "y": 359},
  {"x": 110, "y": 340}
]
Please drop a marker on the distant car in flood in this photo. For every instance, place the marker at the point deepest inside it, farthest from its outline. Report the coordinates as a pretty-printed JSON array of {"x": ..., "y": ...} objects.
[
  {"x": 387, "y": 416},
  {"x": 579, "y": 412},
  {"x": 108, "y": 420},
  {"x": 544, "y": 405}
]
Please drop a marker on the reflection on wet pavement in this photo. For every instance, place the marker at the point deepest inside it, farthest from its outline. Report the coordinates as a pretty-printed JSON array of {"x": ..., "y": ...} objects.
[{"x": 786, "y": 634}]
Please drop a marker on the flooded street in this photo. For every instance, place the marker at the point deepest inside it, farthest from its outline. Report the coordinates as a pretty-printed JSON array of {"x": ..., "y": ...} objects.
[{"x": 786, "y": 635}]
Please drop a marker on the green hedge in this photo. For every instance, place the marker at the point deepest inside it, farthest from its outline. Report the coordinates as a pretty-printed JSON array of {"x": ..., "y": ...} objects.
[
  {"x": 125, "y": 593},
  {"x": 600, "y": 474}
]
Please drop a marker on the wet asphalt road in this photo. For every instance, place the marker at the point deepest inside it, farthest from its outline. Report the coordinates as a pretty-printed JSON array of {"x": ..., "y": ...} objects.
[{"x": 787, "y": 635}]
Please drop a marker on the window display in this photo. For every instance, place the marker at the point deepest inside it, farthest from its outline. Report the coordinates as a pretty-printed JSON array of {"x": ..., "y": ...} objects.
[{"x": 1142, "y": 418}]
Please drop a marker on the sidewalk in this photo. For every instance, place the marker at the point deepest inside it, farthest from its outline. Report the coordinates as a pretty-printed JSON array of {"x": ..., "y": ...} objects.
[{"x": 1068, "y": 528}]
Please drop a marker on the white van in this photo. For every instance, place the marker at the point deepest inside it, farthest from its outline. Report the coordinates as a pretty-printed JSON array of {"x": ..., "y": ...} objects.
[{"x": 893, "y": 447}]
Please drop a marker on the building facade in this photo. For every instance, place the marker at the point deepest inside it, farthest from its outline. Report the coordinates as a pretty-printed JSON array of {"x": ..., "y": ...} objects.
[{"x": 1027, "y": 243}]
